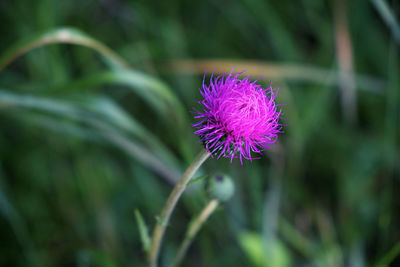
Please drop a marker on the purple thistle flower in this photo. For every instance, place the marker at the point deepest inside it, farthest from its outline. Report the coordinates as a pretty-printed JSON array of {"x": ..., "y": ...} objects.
[{"x": 238, "y": 116}]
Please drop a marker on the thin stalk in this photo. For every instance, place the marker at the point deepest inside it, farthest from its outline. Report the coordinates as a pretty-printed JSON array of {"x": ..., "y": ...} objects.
[
  {"x": 173, "y": 198},
  {"x": 193, "y": 230},
  {"x": 345, "y": 63}
]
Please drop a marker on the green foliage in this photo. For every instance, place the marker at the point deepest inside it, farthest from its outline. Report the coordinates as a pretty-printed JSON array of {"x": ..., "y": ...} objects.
[
  {"x": 95, "y": 121},
  {"x": 272, "y": 254}
]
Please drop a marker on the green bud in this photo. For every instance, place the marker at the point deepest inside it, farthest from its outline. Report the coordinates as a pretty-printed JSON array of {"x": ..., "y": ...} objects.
[{"x": 221, "y": 187}]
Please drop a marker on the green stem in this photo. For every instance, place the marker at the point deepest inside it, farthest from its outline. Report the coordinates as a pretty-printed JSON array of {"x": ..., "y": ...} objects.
[
  {"x": 166, "y": 212},
  {"x": 194, "y": 229}
]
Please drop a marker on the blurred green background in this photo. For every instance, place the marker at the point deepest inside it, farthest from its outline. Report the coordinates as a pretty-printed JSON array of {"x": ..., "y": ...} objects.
[{"x": 95, "y": 100}]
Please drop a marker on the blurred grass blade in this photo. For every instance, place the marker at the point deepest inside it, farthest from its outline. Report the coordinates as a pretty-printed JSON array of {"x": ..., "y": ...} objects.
[
  {"x": 59, "y": 126},
  {"x": 284, "y": 44},
  {"x": 389, "y": 257},
  {"x": 63, "y": 36},
  {"x": 289, "y": 71},
  {"x": 156, "y": 93},
  {"x": 88, "y": 109},
  {"x": 139, "y": 81},
  {"x": 275, "y": 255},
  {"x": 344, "y": 55},
  {"x": 17, "y": 224},
  {"x": 107, "y": 130},
  {"x": 388, "y": 17},
  {"x": 392, "y": 110},
  {"x": 115, "y": 115},
  {"x": 143, "y": 230},
  {"x": 251, "y": 243},
  {"x": 92, "y": 257},
  {"x": 296, "y": 239}
]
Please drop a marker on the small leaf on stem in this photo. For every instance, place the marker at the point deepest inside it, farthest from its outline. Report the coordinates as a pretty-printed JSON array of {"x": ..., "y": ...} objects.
[
  {"x": 144, "y": 232},
  {"x": 197, "y": 179}
]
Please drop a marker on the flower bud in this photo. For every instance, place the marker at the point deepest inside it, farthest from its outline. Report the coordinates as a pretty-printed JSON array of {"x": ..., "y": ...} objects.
[{"x": 221, "y": 187}]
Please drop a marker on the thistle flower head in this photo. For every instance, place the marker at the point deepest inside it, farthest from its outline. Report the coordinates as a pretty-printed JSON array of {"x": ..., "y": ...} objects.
[{"x": 238, "y": 117}]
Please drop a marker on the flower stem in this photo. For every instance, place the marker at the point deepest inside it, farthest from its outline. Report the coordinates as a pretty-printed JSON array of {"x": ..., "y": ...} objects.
[
  {"x": 193, "y": 230},
  {"x": 166, "y": 212}
]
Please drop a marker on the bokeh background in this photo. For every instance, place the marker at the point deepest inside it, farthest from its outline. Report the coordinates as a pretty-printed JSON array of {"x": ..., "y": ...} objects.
[{"x": 95, "y": 100}]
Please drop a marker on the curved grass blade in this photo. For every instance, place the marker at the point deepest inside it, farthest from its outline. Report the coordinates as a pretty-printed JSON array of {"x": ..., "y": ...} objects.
[
  {"x": 65, "y": 36},
  {"x": 139, "y": 81},
  {"x": 115, "y": 115},
  {"x": 156, "y": 93},
  {"x": 110, "y": 131}
]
